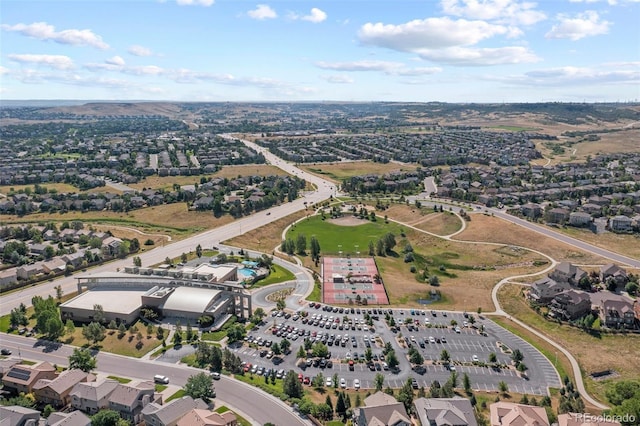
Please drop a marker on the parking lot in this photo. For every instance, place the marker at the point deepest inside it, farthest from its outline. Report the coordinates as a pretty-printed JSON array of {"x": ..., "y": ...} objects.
[{"x": 430, "y": 332}]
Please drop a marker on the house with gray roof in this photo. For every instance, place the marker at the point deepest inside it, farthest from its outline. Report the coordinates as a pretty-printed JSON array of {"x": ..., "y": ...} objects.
[
  {"x": 381, "y": 410},
  {"x": 74, "y": 418},
  {"x": 169, "y": 414},
  {"x": 129, "y": 400},
  {"x": 445, "y": 411},
  {"x": 571, "y": 305},
  {"x": 15, "y": 415},
  {"x": 616, "y": 313},
  {"x": 568, "y": 273},
  {"x": 545, "y": 289},
  {"x": 57, "y": 391},
  {"x": 92, "y": 397}
]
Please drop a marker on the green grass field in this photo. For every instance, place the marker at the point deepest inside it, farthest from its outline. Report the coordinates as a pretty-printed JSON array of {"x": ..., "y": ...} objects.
[
  {"x": 179, "y": 394},
  {"x": 241, "y": 420},
  {"x": 119, "y": 379},
  {"x": 278, "y": 275},
  {"x": 348, "y": 239}
]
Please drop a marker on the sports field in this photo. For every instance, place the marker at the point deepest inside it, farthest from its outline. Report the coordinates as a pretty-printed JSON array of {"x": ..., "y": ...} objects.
[{"x": 346, "y": 279}]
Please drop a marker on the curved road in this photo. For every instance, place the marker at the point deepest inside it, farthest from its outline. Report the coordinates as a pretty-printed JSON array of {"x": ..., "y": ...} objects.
[{"x": 248, "y": 400}]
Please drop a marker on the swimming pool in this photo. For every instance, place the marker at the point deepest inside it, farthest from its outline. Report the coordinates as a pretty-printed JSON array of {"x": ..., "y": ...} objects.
[{"x": 245, "y": 273}]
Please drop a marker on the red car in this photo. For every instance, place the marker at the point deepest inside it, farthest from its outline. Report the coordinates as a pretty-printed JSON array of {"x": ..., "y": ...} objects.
[
  {"x": 306, "y": 381},
  {"x": 247, "y": 368},
  {"x": 300, "y": 377}
]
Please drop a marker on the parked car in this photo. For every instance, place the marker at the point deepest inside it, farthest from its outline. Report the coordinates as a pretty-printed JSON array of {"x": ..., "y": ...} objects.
[
  {"x": 356, "y": 384},
  {"x": 215, "y": 375},
  {"x": 5, "y": 351}
]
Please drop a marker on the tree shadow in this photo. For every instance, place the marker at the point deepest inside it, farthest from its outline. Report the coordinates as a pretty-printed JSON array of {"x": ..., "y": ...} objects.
[{"x": 47, "y": 345}]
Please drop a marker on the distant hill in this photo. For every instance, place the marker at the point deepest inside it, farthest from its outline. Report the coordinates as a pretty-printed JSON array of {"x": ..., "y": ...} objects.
[{"x": 120, "y": 109}]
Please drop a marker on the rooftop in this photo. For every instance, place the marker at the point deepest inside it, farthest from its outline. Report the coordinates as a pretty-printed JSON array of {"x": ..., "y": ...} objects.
[
  {"x": 190, "y": 299},
  {"x": 123, "y": 301}
]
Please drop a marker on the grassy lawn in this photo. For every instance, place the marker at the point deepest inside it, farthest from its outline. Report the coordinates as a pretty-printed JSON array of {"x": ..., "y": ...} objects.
[
  {"x": 119, "y": 379},
  {"x": 334, "y": 238},
  {"x": 594, "y": 352},
  {"x": 179, "y": 394},
  {"x": 241, "y": 420},
  {"x": 126, "y": 345},
  {"x": 258, "y": 381},
  {"x": 4, "y": 323},
  {"x": 159, "y": 388},
  {"x": 216, "y": 336},
  {"x": 278, "y": 275}
]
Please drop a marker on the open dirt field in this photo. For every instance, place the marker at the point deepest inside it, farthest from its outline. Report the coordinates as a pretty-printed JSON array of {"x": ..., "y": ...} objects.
[
  {"x": 594, "y": 353},
  {"x": 491, "y": 229},
  {"x": 444, "y": 223},
  {"x": 336, "y": 172},
  {"x": 628, "y": 245},
  {"x": 267, "y": 237},
  {"x": 348, "y": 221},
  {"x": 60, "y": 187}
]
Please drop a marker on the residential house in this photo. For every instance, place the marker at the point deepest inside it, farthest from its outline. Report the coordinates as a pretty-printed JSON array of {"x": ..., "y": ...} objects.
[
  {"x": 383, "y": 410},
  {"x": 75, "y": 259},
  {"x": 92, "y": 397},
  {"x": 28, "y": 271},
  {"x": 599, "y": 225},
  {"x": 579, "y": 219},
  {"x": 573, "y": 419},
  {"x": 531, "y": 210},
  {"x": 21, "y": 378},
  {"x": 567, "y": 273},
  {"x": 8, "y": 276},
  {"x": 54, "y": 265},
  {"x": 445, "y": 412},
  {"x": 571, "y": 305},
  {"x": 208, "y": 418},
  {"x": 6, "y": 364},
  {"x": 74, "y": 418},
  {"x": 130, "y": 400},
  {"x": 545, "y": 289},
  {"x": 614, "y": 272},
  {"x": 617, "y": 313},
  {"x": 620, "y": 224},
  {"x": 15, "y": 415},
  {"x": 557, "y": 215},
  {"x": 57, "y": 391},
  {"x": 636, "y": 310},
  {"x": 169, "y": 414},
  {"x": 512, "y": 414},
  {"x": 111, "y": 246}
]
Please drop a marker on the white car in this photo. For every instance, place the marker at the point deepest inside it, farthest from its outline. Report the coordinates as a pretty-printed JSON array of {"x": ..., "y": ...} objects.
[
  {"x": 431, "y": 339},
  {"x": 329, "y": 382},
  {"x": 475, "y": 358},
  {"x": 356, "y": 384},
  {"x": 343, "y": 383}
]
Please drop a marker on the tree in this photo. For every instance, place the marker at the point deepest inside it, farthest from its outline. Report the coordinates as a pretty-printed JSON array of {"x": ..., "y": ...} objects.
[
  {"x": 69, "y": 327},
  {"x": 280, "y": 304},
  {"x": 379, "y": 381},
  {"x": 59, "y": 293},
  {"x": 82, "y": 359},
  {"x": 301, "y": 244},
  {"x": 315, "y": 249},
  {"x": 184, "y": 258},
  {"x": 199, "y": 251},
  {"x": 285, "y": 345},
  {"x": 47, "y": 411},
  {"x": 98, "y": 314},
  {"x": 493, "y": 357},
  {"x": 392, "y": 359},
  {"x": 291, "y": 386},
  {"x": 406, "y": 394},
  {"x": 631, "y": 288},
  {"x": 503, "y": 387},
  {"x": 444, "y": 356},
  {"x": 319, "y": 350},
  {"x": 329, "y": 402},
  {"x": 17, "y": 318},
  {"x": 108, "y": 418},
  {"x": 341, "y": 407},
  {"x": 94, "y": 332},
  {"x": 137, "y": 261},
  {"x": 200, "y": 386},
  {"x": 415, "y": 357},
  {"x": 466, "y": 382},
  {"x": 258, "y": 315},
  {"x": 434, "y": 281},
  {"x": 517, "y": 356},
  {"x": 235, "y": 333},
  {"x": 301, "y": 352}
]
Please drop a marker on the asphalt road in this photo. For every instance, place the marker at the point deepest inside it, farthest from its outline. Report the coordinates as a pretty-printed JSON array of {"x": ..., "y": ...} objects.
[{"x": 257, "y": 405}]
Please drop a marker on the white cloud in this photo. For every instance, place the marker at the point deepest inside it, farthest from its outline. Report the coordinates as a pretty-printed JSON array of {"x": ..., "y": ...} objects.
[
  {"x": 44, "y": 31},
  {"x": 575, "y": 76},
  {"x": 507, "y": 11},
  {"x": 144, "y": 70},
  {"x": 60, "y": 62},
  {"x": 583, "y": 25},
  {"x": 195, "y": 2},
  {"x": 464, "y": 56},
  {"x": 430, "y": 33},
  {"x": 337, "y": 79},
  {"x": 116, "y": 60},
  {"x": 316, "y": 16},
  {"x": 262, "y": 12},
  {"x": 137, "y": 50},
  {"x": 4, "y": 70},
  {"x": 387, "y": 67}
]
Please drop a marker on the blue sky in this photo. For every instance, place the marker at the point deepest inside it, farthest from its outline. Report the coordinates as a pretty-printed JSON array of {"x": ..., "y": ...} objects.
[{"x": 342, "y": 50}]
